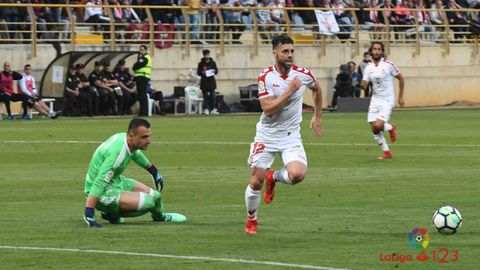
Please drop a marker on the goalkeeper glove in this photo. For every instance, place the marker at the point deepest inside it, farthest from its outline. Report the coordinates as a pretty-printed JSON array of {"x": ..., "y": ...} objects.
[
  {"x": 157, "y": 177},
  {"x": 90, "y": 219}
]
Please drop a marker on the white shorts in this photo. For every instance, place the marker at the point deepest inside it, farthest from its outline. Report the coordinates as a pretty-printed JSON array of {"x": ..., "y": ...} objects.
[
  {"x": 262, "y": 153},
  {"x": 380, "y": 109}
]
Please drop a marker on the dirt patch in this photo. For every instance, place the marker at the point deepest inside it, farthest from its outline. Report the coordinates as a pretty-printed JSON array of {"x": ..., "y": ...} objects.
[{"x": 463, "y": 104}]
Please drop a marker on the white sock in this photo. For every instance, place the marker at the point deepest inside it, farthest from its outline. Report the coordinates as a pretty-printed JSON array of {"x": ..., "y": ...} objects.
[
  {"x": 152, "y": 192},
  {"x": 387, "y": 127},
  {"x": 381, "y": 141},
  {"x": 282, "y": 176},
  {"x": 252, "y": 201}
]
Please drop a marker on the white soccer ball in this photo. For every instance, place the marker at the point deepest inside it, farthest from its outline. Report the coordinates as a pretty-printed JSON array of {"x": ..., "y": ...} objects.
[{"x": 447, "y": 220}]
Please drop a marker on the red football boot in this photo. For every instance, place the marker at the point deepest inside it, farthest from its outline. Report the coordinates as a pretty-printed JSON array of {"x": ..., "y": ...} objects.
[
  {"x": 251, "y": 226},
  {"x": 269, "y": 188},
  {"x": 393, "y": 133},
  {"x": 386, "y": 155}
]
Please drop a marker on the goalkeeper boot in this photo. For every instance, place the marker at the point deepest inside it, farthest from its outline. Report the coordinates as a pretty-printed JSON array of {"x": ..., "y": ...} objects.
[
  {"x": 113, "y": 219},
  {"x": 386, "y": 155},
  {"x": 393, "y": 133},
  {"x": 171, "y": 217},
  {"x": 269, "y": 188},
  {"x": 251, "y": 227}
]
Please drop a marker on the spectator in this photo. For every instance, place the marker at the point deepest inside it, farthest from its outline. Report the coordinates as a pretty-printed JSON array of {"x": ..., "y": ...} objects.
[
  {"x": 10, "y": 15},
  {"x": 94, "y": 16},
  {"x": 265, "y": 22},
  {"x": 343, "y": 85},
  {"x": 105, "y": 94},
  {"x": 423, "y": 19},
  {"x": 277, "y": 13},
  {"x": 129, "y": 89},
  {"x": 110, "y": 82},
  {"x": 88, "y": 96},
  {"x": 356, "y": 79},
  {"x": 211, "y": 20},
  {"x": 194, "y": 19},
  {"x": 207, "y": 69},
  {"x": 161, "y": 15},
  {"x": 308, "y": 16},
  {"x": 140, "y": 12},
  {"x": 246, "y": 13},
  {"x": 343, "y": 18},
  {"x": 29, "y": 90},
  {"x": 71, "y": 93},
  {"x": 234, "y": 16},
  {"x": 367, "y": 58},
  {"x": 438, "y": 17},
  {"x": 375, "y": 19},
  {"x": 7, "y": 94},
  {"x": 156, "y": 95},
  {"x": 456, "y": 19},
  {"x": 403, "y": 18}
]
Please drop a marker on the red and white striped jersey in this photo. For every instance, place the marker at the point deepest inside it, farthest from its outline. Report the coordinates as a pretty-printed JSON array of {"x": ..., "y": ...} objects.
[
  {"x": 381, "y": 75},
  {"x": 273, "y": 83}
]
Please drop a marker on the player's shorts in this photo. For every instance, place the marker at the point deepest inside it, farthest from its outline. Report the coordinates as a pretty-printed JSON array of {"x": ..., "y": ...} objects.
[
  {"x": 380, "y": 109},
  {"x": 110, "y": 200},
  {"x": 30, "y": 101},
  {"x": 262, "y": 152}
]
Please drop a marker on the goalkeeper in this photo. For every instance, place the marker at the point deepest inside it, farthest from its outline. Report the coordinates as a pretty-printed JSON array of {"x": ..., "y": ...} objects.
[{"x": 115, "y": 195}]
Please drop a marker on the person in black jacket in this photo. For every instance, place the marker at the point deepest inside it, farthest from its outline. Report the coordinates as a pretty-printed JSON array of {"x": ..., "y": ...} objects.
[
  {"x": 343, "y": 85},
  {"x": 207, "y": 69}
]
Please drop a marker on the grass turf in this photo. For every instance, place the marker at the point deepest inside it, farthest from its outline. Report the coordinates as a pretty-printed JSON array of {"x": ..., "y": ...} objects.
[{"x": 350, "y": 210}]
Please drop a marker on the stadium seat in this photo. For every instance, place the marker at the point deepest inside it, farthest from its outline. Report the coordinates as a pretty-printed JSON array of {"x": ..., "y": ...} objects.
[
  {"x": 151, "y": 106},
  {"x": 194, "y": 102}
]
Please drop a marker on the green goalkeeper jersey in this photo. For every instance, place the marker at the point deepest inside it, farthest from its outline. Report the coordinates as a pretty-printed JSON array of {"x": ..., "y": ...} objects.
[{"x": 108, "y": 163}]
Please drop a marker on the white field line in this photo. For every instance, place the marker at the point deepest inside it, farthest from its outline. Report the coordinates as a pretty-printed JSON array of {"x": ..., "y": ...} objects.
[
  {"x": 198, "y": 258},
  {"x": 246, "y": 143}
]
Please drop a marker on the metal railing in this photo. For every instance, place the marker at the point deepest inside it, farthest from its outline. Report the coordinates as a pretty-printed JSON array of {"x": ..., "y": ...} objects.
[{"x": 73, "y": 31}]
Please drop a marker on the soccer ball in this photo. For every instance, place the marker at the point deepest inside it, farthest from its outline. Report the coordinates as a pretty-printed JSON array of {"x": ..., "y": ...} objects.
[{"x": 447, "y": 220}]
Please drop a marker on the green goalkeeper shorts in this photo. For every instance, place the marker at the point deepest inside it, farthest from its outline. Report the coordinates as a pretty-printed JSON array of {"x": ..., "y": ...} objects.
[{"x": 110, "y": 200}]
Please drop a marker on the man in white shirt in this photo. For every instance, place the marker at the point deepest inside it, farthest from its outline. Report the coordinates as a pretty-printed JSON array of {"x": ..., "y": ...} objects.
[
  {"x": 280, "y": 89},
  {"x": 380, "y": 73},
  {"x": 29, "y": 89}
]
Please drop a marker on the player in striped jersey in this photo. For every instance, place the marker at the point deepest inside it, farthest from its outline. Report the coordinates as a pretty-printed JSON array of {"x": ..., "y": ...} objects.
[{"x": 380, "y": 72}]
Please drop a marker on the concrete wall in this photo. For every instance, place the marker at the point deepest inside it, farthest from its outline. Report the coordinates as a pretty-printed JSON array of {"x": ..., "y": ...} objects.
[{"x": 432, "y": 78}]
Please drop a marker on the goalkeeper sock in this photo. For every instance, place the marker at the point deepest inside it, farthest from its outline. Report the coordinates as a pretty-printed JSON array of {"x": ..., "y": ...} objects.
[
  {"x": 252, "y": 201},
  {"x": 282, "y": 176},
  {"x": 157, "y": 211}
]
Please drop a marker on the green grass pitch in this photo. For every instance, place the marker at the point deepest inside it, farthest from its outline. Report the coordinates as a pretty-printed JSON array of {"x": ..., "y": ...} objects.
[{"x": 350, "y": 210}]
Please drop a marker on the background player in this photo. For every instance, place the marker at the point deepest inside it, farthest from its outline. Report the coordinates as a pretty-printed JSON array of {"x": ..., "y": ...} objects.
[
  {"x": 380, "y": 73},
  {"x": 116, "y": 195},
  {"x": 280, "y": 89}
]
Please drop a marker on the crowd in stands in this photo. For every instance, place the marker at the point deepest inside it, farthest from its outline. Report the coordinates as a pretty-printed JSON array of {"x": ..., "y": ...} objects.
[{"x": 203, "y": 16}]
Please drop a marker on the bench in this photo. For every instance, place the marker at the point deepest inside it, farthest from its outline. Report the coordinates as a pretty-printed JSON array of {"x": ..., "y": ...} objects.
[{"x": 49, "y": 101}]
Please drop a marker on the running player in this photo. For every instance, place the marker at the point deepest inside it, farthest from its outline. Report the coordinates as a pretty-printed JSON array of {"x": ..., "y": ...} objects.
[
  {"x": 280, "y": 89},
  {"x": 380, "y": 73},
  {"x": 116, "y": 195}
]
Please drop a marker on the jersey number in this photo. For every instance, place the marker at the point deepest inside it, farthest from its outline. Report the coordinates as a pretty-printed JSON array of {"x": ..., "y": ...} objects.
[{"x": 258, "y": 148}]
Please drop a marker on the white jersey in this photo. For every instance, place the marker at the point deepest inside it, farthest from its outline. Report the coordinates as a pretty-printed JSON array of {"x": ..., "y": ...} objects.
[
  {"x": 287, "y": 120},
  {"x": 381, "y": 75}
]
